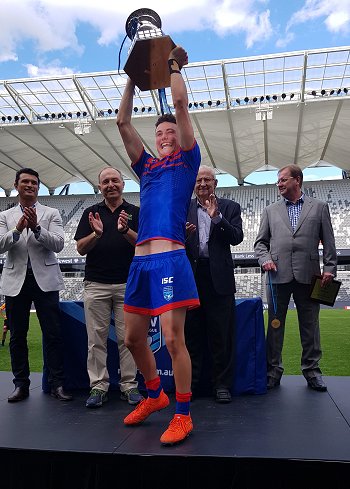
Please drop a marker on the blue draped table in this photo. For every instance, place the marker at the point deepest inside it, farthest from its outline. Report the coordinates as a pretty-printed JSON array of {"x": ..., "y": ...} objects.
[{"x": 250, "y": 361}]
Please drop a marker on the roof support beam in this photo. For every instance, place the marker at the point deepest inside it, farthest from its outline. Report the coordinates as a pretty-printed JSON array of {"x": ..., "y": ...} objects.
[
  {"x": 234, "y": 145},
  {"x": 128, "y": 170},
  {"x": 73, "y": 174},
  {"x": 266, "y": 143},
  {"x": 88, "y": 102},
  {"x": 331, "y": 129},
  {"x": 301, "y": 111},
  {"x": 18, "y": 165},
  {"x": 16, "y": 97},
  {"x": 204, "y": 141},
  {"x": 230, "y": 122}
]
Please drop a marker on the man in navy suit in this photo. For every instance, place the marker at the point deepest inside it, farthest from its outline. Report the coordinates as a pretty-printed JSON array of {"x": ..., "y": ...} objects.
[{"x": 213, "y": 226}]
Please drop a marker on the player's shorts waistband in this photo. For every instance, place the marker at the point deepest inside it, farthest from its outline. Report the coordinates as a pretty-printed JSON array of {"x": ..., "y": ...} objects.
[{"x": 159, "y": 256}]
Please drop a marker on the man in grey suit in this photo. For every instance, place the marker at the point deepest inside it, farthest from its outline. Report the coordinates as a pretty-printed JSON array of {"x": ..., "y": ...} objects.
[
  {"x": 287, "y": 250},
  {"x": 31, "y": 234}
]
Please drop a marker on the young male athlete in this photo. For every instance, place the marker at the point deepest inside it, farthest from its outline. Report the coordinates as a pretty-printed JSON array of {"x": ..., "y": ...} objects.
[{"x": 160, "y": 280}]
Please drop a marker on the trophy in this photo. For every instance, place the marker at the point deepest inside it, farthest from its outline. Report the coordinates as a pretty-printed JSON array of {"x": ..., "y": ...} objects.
[{"x": 148, "y": 55}]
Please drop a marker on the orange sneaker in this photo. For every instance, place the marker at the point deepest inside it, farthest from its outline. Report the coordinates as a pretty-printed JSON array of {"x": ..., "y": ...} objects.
[
  {"x": 145, "y": 408},
  {"x": 179, "y": 428}
]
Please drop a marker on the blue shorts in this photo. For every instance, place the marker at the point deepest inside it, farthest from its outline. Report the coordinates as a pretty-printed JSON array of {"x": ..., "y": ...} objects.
[{"x": 160, "y": 282}]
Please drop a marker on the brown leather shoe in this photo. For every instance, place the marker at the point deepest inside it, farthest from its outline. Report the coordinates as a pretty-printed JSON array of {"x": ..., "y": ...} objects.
[
  {"x": 19, "y": 394},
  {"x": 60, "y": 394}
]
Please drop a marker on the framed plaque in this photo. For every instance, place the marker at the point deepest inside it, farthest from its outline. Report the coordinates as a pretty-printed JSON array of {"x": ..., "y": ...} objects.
[{"x": 324, "y": 295}]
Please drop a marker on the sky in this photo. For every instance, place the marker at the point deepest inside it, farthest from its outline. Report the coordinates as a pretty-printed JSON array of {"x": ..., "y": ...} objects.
[{"x": 56, "y": 37}]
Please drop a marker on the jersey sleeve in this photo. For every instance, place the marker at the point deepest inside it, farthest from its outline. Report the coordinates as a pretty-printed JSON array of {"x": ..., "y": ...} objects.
[
  {"x": 140, "y": 165},
  {"x": 193, "y": 157}
]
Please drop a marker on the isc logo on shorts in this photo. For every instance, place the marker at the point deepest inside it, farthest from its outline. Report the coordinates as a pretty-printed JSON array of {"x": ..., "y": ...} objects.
[{"x": 167, "y": 280}]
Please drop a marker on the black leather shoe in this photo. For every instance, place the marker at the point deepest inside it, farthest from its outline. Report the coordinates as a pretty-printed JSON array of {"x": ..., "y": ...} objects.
[
  {"x": 272, "y": 382},
  {"x": 317, "y": 384},
  {"x": 18, "y": 394},
  {"x": 60, "y": 394},
  {"x": 222, "y": 395}
]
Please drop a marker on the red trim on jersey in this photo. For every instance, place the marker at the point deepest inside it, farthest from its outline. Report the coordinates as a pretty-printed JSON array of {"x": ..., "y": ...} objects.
[{"x": 190, "y": 303}]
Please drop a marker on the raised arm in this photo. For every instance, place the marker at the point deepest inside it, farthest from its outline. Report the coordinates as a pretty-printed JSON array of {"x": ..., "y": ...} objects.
[
  {"x": 177, "y": 59},
  {"x": 129, "y": 135}
]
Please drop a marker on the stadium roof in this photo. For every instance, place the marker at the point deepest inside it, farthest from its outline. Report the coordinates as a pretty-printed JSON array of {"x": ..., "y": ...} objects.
[{"x": 253, "y": 113}]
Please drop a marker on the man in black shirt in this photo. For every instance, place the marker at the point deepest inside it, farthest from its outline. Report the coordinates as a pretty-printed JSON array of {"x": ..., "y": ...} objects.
[{"x": 106, "y": 234}]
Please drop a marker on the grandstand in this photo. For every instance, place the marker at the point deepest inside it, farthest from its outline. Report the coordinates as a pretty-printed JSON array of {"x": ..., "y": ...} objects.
[{"x": 253, "y": 199}]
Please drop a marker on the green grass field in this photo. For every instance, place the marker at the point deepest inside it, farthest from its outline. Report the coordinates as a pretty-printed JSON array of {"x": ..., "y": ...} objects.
[{"x": 335, "y": 338}]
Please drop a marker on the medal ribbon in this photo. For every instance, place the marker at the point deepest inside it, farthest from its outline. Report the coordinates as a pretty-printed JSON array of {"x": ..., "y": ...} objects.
[{"x": 272, "y": 295}]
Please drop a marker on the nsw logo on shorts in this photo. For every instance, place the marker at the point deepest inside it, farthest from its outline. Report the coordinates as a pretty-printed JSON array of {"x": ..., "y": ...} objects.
[{"x": 168, "y": 291}]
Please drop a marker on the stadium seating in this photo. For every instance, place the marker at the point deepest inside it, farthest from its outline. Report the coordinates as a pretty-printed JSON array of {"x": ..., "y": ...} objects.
[{"x": 252, "y": 199}]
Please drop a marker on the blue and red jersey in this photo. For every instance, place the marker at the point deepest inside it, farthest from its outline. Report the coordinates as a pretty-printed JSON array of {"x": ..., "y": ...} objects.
[{"x": 166, "y": 187}]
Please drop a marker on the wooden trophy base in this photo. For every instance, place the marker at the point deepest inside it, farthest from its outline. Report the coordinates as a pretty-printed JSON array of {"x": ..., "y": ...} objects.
[{"x": 147, "y": 64}]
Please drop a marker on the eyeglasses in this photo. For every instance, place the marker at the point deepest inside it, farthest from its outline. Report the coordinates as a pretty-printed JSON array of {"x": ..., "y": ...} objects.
[{"x": 283, "y": 180}]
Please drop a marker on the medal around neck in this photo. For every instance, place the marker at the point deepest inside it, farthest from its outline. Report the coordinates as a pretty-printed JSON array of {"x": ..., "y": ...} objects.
[{"x": 275, "y": 323}]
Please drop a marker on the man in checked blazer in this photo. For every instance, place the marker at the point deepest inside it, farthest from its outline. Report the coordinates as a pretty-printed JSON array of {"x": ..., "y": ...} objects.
[
  {"x": 31, "y": 234},
  {"x": 213, "y": 225},
  {"x": 287, "y": 250}
]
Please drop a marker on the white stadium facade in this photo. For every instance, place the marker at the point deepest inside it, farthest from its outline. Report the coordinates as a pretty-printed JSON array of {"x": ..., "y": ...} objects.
[{"x": 249, "y": 114}]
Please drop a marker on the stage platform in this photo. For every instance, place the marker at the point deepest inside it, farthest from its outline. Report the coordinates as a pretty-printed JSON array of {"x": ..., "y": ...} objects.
[{"x": 291, "y": 437}]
